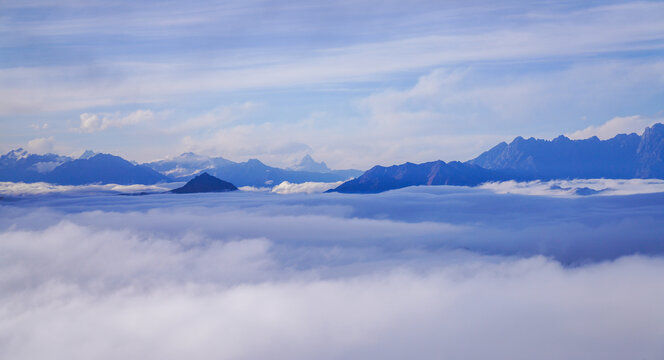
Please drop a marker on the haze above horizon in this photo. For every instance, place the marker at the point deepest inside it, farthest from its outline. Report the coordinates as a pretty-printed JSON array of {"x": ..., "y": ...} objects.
[{"x": 352, "y": 84}]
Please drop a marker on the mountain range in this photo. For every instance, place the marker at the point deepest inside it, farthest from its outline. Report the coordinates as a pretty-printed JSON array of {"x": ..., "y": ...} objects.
[
  {"x": 249, "y": 173},
  {"x": 92, "y": 168},
  {"x": 621, "y": 157},
  {"x": 624, "y": 156}
]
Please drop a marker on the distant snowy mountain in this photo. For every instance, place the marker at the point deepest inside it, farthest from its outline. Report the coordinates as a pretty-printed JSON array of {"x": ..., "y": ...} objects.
[
  {"x": 20, "y": 165},
  {"x": 87, "y": 154},
  {"x": 309, "y": 164},
  {"x": 254, "y": 173},
  {"x": 249, "y": 173},
  {"x": 90, "y": 167},
  {"x": 187, "y": 165}
]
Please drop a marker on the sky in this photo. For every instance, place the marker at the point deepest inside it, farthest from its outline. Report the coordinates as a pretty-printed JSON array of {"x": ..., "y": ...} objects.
[
  {"x": 353, "y": 83},
  {"x": 418, "y": 273}
]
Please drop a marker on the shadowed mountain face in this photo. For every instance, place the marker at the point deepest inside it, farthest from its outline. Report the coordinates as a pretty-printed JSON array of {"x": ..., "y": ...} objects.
[
  {"x": 380, "y": 178},
  {"x": 650, "y": 153},
  {"x": 205, "y": 183},
  {"x": 103, "y": 169},
  {"x": 621, "y": 157}
]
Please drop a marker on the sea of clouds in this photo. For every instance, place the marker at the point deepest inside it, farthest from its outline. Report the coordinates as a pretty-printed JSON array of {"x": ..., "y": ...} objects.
[{"x": 423, "y": 272}]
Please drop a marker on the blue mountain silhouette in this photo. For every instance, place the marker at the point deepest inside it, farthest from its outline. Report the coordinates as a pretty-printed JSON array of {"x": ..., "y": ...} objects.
[
  {"x": 205, "y": 183},
  {"x": 621, "y": 157}
]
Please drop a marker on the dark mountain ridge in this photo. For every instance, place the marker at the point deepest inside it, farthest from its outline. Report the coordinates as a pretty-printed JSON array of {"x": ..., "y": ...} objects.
[
  {"x": 381, "y": 178},
  {"x": 103, "y": 169},
  {"x": 621, "y": 157}
]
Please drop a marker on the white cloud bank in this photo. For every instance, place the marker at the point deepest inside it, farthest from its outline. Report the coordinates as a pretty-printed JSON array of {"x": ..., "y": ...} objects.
[
  {"x": 188, "y": 298},
  {"x": 391, "y": 276},
  {"x": 286, "y": 187},
  {"x": 41, "y": 188},
  {"x": 577, "y": 187},
  {"x": 307, "y": 187}
]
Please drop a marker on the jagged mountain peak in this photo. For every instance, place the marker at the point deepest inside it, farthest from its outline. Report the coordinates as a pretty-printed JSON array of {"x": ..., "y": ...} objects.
[
  {"x": 16, "y": 154},
  {"x": 309, "y": 164}
]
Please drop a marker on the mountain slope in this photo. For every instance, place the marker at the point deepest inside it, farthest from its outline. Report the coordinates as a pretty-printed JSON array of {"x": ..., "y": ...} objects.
[
  {"x": 205, "y": 183},
  {"x": 651, "y": 153},
  {"x": 621, "y": 157},
  {"x": 103, "y": 169},
  {"x": 19, "y": 165},
  {"x": 380, "y": 178},
  {"x": 255, "y": 173}
]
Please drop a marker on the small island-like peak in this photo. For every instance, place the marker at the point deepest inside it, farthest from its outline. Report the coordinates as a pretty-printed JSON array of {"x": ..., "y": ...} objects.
[{"x": 205, "y": 183}]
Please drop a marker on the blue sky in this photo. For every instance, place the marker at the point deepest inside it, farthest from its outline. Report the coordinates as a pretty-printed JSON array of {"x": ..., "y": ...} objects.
[{"x": 354, "y": 83}]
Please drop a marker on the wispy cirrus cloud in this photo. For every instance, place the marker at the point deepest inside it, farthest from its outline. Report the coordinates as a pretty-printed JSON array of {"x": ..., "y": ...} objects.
[{"x": 536, "y": 36}]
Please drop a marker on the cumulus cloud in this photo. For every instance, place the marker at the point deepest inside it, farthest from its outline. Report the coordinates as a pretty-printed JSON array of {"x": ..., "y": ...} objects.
[
  {"x": 40, "y": 145},
  {"x": 615, "y": 126},
  {"x": 422, "y": 272},
  {"x": 97, "y": 122}
]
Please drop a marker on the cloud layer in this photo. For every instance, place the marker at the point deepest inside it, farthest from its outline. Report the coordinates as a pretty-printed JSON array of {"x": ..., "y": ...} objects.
[{"x": 423, "y": 273}]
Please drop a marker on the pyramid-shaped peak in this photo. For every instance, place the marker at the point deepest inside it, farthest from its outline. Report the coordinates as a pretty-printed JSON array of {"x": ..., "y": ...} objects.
[
  {"x": 87, "y": 154},
  {"x": 205, "y": 183}
]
